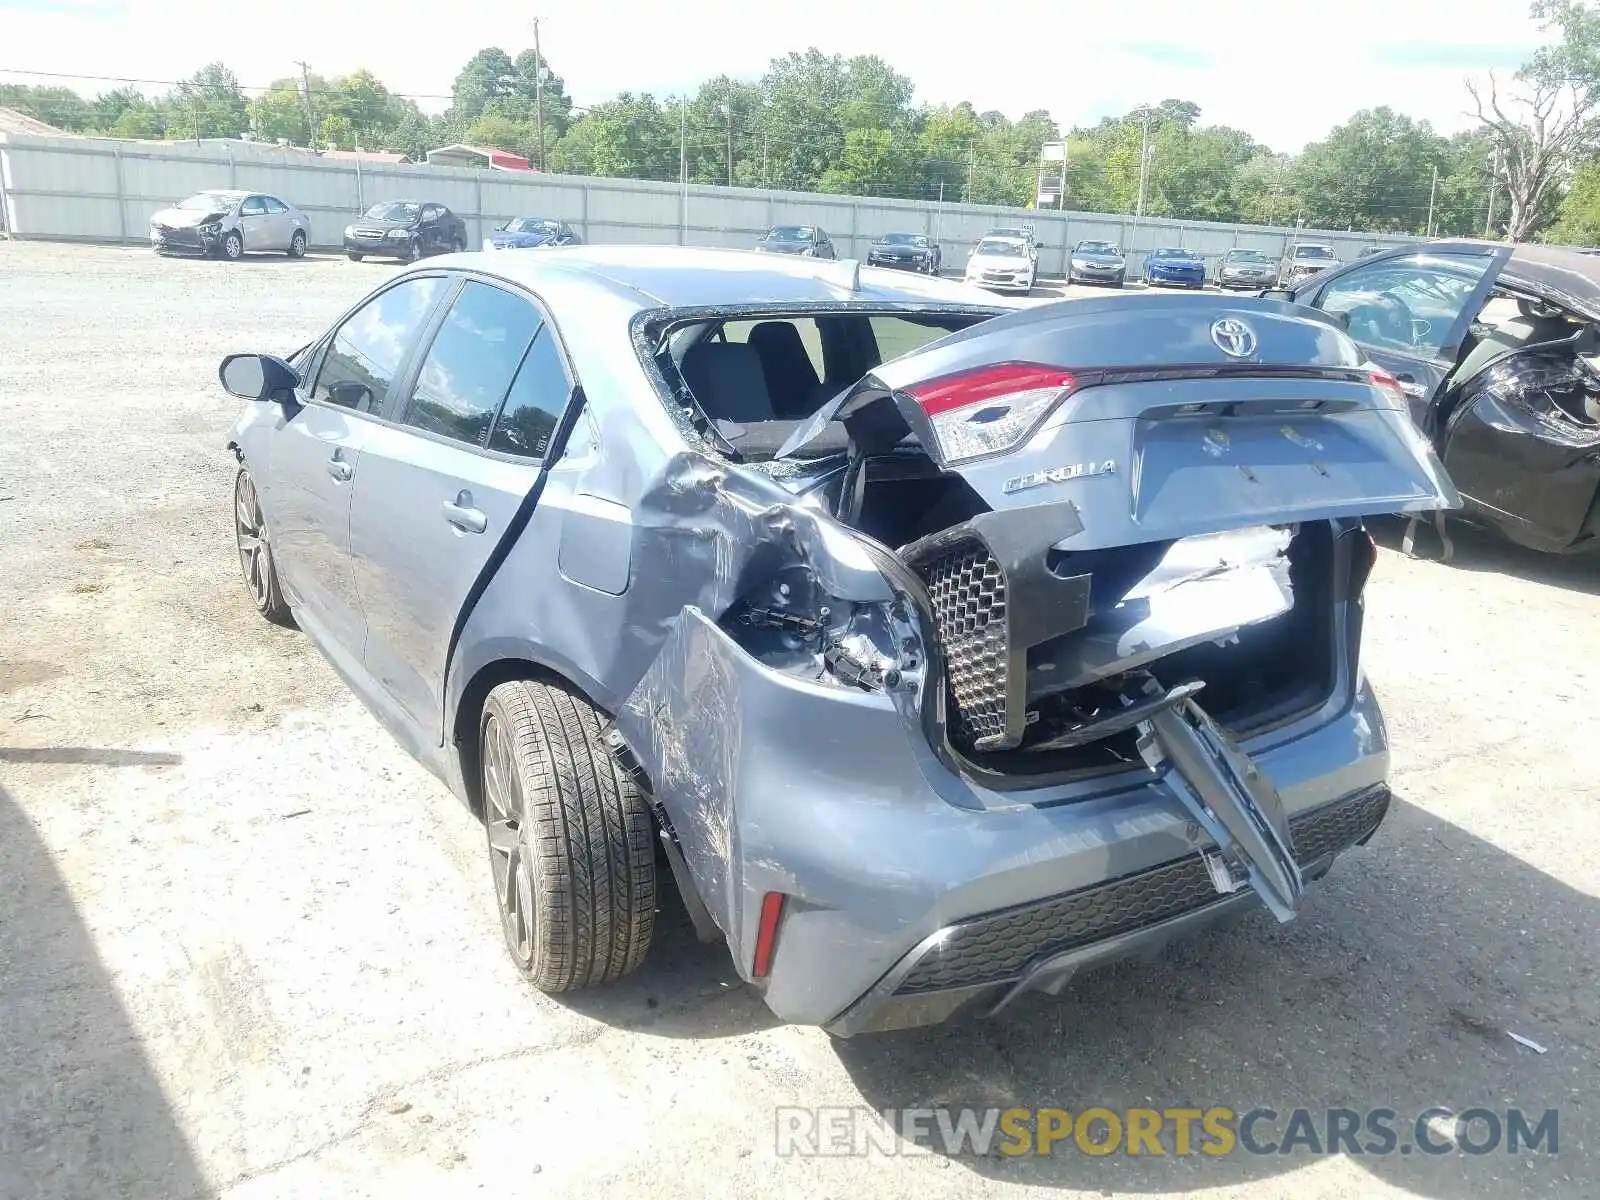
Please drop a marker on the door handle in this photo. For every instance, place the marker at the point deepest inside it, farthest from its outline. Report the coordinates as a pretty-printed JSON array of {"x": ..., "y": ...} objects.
[
  {"x": 460, "y": 513},
  {"x": 339, "y": 469}
]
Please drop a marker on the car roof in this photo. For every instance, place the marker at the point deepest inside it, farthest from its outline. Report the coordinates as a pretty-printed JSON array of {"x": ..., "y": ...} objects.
[{"x": 643, "y": 277}]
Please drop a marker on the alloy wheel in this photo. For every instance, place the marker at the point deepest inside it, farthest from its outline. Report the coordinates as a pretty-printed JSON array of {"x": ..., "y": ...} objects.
[
  {"x": 510, "y": 856},
  {"x": 250, "y": 532}
]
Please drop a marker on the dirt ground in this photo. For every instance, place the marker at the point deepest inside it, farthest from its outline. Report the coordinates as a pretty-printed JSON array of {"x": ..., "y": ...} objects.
[{"x": 248, "y": 949}]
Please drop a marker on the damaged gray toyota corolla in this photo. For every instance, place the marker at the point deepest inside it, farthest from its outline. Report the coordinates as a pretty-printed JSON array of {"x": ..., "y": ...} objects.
[{"x": 938, "y": 650}]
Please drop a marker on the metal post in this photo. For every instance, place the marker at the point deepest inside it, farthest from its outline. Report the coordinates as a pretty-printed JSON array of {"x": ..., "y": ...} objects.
[
  {"x": 361, "y": 205},
  {"x": 683, "y": 169},
  {"x": 311, "y": 117},
  {"x": 1494, "y": 168},
  {"x": 730, "y": 131},
  {"x": 1144, "y": 156},
  {"x": 538, "y": 90},
  {"x": 122, "y": 202},
  {"x": 1431, "y": 192}
]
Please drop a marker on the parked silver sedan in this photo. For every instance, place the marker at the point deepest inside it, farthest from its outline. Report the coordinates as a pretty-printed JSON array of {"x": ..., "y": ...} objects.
[{"x": 227, "y": 224}]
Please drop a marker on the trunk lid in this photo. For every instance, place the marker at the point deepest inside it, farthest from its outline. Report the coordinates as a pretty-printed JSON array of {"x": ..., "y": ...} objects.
[{"x": 1182, "y": 417}]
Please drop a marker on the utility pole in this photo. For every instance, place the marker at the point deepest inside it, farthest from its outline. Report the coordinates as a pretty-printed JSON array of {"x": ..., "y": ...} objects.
[
  {"x": 1432, "y": 191},
  {"x": 730, "y": 131},
  {"x": 1494, "y": 171},
  {"x": 1144, "y": 157},
  {"x": 311, "y": 118},
  {"x": 538, "y": 91},
  {"x": 765, "y": 179},
  {"x": 683, "y": 169},
  {"x": 972, "y": 162}
]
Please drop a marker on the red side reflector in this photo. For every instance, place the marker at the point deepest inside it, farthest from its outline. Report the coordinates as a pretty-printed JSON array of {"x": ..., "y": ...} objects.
[
  {"x": 985, "y": 383},
  {"x": 767, "y": 933}
]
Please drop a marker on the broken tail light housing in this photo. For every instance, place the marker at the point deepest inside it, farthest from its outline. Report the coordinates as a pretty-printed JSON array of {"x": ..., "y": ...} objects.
[
  {"x": 1386, "y": 382},
  {"x": 990, "y": 409}
]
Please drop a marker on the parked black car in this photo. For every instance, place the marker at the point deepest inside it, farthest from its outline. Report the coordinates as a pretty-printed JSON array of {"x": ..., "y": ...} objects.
[
  {"x": 797, "y": 239},
  {"x": 406, "y": 229},
  {"x": 905, "y": 252},
  {"x": 1493, "y": 346}
]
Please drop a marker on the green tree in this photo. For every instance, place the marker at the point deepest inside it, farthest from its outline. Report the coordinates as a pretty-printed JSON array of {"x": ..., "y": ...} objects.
[
  {"x": 209, "y": 104},
  {"x": 489, "y": 74},
  {"x": 872, "y": 165},
  {"x": 58, "y": 106},
  {"x": 629, "y": 136},
  {"x": 280, "y": 111},
  {"x": 137, "y": 121},
  {"x": 1374, "y": 171},
  {"x": 499, "y": 132}
]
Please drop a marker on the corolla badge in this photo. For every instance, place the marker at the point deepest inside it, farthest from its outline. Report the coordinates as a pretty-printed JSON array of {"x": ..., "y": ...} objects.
[
  {"x": 1062, "y": 474},
  {"x": 1233, "y": 337}
]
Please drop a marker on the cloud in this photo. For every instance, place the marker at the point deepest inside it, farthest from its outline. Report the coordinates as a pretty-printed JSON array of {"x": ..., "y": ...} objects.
[
  {"x": 1464, "y": 58},
  {"x": 1168, "y": 54}
]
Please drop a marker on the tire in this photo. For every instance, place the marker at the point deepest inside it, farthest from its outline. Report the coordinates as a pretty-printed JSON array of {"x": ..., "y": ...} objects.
[
  {"x": 232, "y": 246},
  {"x": 1122, "y": 280},
  {"x": 458, "y": 245},
  {"x": 571, "y": 850},
  {"x": 255, "y": 552},
  {"x": 353, "y": 256},
  {"x": 414, "y": 251},
  {"x": 297, "y": 244}
]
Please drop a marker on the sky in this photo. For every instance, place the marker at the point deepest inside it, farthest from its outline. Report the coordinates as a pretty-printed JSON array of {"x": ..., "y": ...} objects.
[{"x": 1285, "y": 72}]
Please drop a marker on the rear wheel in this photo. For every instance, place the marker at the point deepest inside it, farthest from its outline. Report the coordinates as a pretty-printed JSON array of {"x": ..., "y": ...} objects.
[
  {"x": 255, "y": 551},
  {"x": 570, "y": 846},
  {"x": 297, "y": 244}
]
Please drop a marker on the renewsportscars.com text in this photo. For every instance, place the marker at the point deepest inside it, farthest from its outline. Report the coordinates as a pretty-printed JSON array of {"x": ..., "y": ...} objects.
[{"x": 1215, "y": 1131}]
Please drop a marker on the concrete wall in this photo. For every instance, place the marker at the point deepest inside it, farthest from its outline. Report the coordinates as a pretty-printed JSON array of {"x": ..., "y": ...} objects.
[{"x": 105, "y": 190}]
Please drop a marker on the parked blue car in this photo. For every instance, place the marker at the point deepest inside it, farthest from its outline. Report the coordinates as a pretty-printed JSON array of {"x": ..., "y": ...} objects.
[
  {"x": 897, "y": 665},
  {"x": 526, "y": 233},
  {"x": 1172, "y": 266}
]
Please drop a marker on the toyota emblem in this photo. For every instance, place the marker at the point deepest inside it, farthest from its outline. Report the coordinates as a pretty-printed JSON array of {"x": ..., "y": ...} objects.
[{"x": 1233, "y": 337}]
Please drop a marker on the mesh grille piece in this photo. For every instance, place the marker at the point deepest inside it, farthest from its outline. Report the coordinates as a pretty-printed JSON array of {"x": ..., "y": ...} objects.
[
  {"x": 1000, "y": 946},
  {"x": 968, "y": 591}
]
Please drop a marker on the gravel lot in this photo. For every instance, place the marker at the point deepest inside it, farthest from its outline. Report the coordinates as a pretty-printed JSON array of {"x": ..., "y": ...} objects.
[{"x": 247, "y": 948}]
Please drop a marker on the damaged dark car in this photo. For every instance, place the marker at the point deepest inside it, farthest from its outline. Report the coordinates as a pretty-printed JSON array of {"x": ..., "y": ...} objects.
[
  {"x": 938, "y": 649},
  {"x": 1497, "y": 348}
]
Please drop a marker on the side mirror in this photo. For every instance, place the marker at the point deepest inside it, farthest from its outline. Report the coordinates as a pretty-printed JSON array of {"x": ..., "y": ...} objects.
[
  {"x": 1277, "y": 293},
  {"x": 257, "y": 377}
]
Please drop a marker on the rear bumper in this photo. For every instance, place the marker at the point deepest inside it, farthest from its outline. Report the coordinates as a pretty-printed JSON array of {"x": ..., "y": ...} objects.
[
  {"x": 879, "y": 847},
  {"x": 980, "y": 966}
]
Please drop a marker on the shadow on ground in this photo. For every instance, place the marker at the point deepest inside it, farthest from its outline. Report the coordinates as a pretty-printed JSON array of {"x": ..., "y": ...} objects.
[
  {"x": 1393, "y": 989},
  {"x": 82, "y": 1115},
  {"x": 1482, "y": 550}
]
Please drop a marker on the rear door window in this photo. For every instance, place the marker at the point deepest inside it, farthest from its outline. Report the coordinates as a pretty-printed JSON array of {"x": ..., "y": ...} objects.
[
  {"x": 471, "y": 363},
  {"x": 533, "y": 407},
  {"x": 365, "y": 354},
  {"x": 810, "y": 336}
]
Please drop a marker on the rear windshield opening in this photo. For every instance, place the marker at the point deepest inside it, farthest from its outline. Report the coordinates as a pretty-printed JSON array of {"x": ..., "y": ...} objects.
[{"x": 758, "y": 376}]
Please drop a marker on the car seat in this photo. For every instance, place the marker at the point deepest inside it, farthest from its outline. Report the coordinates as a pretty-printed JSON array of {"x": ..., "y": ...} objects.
[
  {"x": 728, "y": 380},
  {"x": 791, "y": 378},
  {"x": 1506, "y": 337}
]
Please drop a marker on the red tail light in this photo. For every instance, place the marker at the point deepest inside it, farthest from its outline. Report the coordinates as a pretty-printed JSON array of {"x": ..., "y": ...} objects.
[
  {"x": 1381, "y": 378},
  {"x": 991, "y": 408},
  {"x": 767, "y": 933}
]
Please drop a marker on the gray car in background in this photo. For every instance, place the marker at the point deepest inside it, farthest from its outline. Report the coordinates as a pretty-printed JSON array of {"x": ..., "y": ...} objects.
[
  {"x": 841, "y": 592},
  {"x": 806, "y": 240},
  {"x": 1097, "y": 262},
  {"x": 1247, "y": 269},
  {"x": 230, "y": 224}
]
